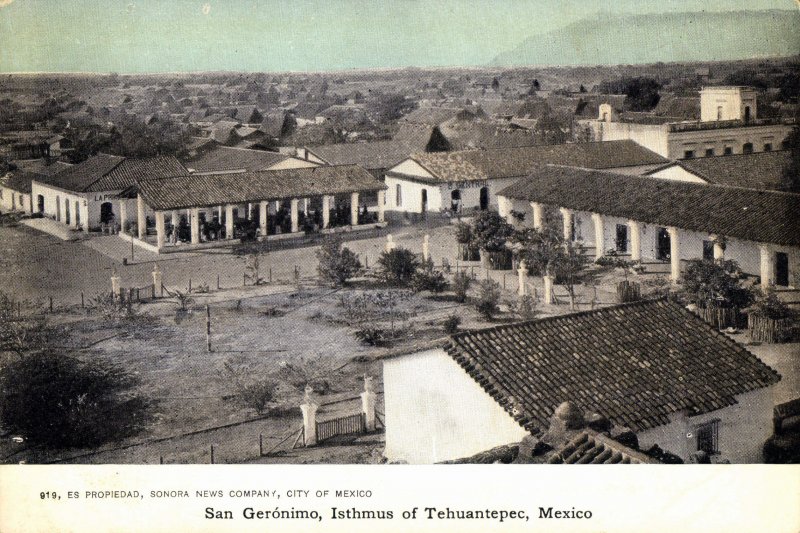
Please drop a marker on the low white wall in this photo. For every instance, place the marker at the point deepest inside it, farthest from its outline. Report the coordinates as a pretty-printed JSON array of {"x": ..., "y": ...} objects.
[{"x": 436, "y": 412}]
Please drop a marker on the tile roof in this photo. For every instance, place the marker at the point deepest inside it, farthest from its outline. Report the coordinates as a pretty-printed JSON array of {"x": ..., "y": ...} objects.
[
  {"x": 590, "y": 447},
  {"x": 431, "y": 116},
  {"x": 761, "y": 170},
  {"x": 635, "y": 364},
  {"x": 29, "y": 170},
  {"x": 373, "y": 155},
  {"x": 105, "y": 172},
  {"x": 218, "y": 189},
  {"x": 520, "y": 161},
  {"x": 227, "y": 158},
  {"x": 464, "y": 135},
  {"x": 759, "y": 216}
]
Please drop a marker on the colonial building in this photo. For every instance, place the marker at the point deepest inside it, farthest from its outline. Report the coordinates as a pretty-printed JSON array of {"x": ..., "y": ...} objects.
[
  {"x": 669, "y": 221},
  {"x": 468, "y": 181},
  {"x": 375, "y": 157},
  {"x": 209, "y": 210},
  {"x": 652, "y": 367},
  {"x": 85, "y": 196},
  {"x": 728, "y": 124},
  {"x": 223, "y": 159},
  {"x": 15, "y": 186}
]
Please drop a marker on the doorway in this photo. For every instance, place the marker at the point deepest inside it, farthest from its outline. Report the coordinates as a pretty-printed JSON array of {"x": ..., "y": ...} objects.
[
  {"x": 455, "y": 201},
  {"x": 66, "y": 213},
  {"x": 40, "y": 203},
  {"x": 782, "y": 269},
  {"x": 622, "y": 238},
  {"x": 106, "y": 212},
  {"x": 663, "y": 245},
  {"x": 484, "y": 198},
  {"x": 424, "y": 201}
]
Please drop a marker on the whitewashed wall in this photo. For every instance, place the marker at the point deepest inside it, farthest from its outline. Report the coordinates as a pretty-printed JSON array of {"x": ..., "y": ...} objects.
[
  {"x": 14, "y": 201},
  {"x": 52, "y": 195},
  {"x": 436, "y": 412}
]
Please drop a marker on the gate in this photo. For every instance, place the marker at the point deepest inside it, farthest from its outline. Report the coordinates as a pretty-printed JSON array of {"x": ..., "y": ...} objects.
[{"x": 345, "y": 425}]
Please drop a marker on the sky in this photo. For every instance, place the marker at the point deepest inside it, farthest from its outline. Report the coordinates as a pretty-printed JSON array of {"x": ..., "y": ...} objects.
[{"x": 291, "y": 35}]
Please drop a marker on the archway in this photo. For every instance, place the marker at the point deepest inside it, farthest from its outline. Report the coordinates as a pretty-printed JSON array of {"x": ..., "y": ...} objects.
[
  {"x": 106, "y": 212},
  {"x": 40, "y": 203},
  {"x": 484, "y": 198},
  {"x": 455, "y": 200}
]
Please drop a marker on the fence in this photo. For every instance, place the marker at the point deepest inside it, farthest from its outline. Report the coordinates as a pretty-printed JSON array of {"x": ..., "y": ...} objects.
[
  {"x": 769, "y": 330},
  {"x": 720, "y": 317},
  {"x": 345, "y": 425}
]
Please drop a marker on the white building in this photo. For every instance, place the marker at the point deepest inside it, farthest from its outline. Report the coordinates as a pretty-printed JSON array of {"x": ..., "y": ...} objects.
[
  {"x": 84, "y": 196},
  {"x": 659, "y": 220},
  {"x": 468, "y": 181},
  {"x": 651, "y": 367},
  {"x": 728, "y": 125},
  {"x": 15, "y": 186}
]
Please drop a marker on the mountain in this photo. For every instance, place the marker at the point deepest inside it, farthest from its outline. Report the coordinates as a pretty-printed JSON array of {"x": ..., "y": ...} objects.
[{"x": 631, "y": 39}]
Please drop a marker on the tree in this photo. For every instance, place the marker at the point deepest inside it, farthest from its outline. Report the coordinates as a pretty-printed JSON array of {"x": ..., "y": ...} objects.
[
  {"x": 398, "y": 266},
  {"x": 337, "y": 264},
  {"x": 461, "y": 283},
  {"x": 488, "y": 298},
  {"x": 641, "y": 93},
  {"x": 428, "y": 279},
  {"x": 490, "y": 231},
  {"x": 496, "y": 85},
  {"x": 715, "y": 284},
  {"x": 58, "y": 401}
]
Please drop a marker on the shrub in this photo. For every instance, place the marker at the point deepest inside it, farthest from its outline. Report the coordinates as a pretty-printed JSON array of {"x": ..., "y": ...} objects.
[
  {"x": 257, "y": 395},
  {"x": 463, "y": 233},
  {"x": 770, "y": 306},
  {"x": 524, "y": 307},
  {"x": 337, "y": 264},
  {"x": 58, "y": 401},
  {"x": 428, "y": 279},
  {"x": 451, "y": 324},
  {"x": 488, "y": 298},
  {"x": 461, "y": 283},
  {"x": 373, "y": 336},
  {"x": 398, "y": 266},
  {"x": 491, "y": 231},
  {"x": 715, "y": 284}
]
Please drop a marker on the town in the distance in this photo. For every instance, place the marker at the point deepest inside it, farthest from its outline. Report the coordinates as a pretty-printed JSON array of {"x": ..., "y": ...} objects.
[{"x": 556, "y": 265}]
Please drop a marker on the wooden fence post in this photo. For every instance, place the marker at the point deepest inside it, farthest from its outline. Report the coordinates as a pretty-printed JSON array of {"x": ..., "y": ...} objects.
[
  {"x": 270, "y": 274},
  {"x": 244, "y": 279},
  {"x": 82, "y": 302},
  {"x": 190, "y": 284},
  {"x": 261, "y": 445},
  {"x": 212, "y": 454},
  {"x": 217, "y": 281},
  {"x": 208, "y": 328},
  {"x": 51, "y": 304}
]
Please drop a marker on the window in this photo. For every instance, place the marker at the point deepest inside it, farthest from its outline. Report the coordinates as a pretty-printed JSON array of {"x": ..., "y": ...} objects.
[
  {"x": 688, "y": 154},
  {"x": 709, "y": 152},
  {"x": 21, "y": 200},
  {"x": 719, "y": 112},
  {"x": 708, "y": 437},
  {"x": 767, "y": 147},
  {"x": 621, "y": 240},
  {"x": 398, "y": 196},
  {"x": 708, "y": 250},
  {"x": 747, "y": 148},
  {"x": 728, "y": 150}
]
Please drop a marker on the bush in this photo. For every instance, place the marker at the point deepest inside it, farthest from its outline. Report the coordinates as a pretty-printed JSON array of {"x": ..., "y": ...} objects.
[
  {"x": 451, "y": 324},
  {"x": 715, "y": 284},
  {"x": 463, "y": 233},
  {"x": 461, "y": 283},
  {"x": 770, "y": 306},
  {"x": 398, "y": 266},
  {"x": 488, "y": 298},
  {"x": 524, "y": 307},
  {"x": 257, "y": 395},
  {"x": 373, "y": 336},
  {"x": 427, "y": 279},
  {"x": 58, "y": 401},
  {"x": 337, "y": 264},
  {"x": 491, "y": 231}
]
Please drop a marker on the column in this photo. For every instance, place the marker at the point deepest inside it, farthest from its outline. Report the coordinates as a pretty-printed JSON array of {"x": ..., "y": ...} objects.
[
  {"x": 548, "y": 289},
  {"x": 160, "y": 230},
  {"x": 295, "y": 215},
  {"x": 504, "y": 208},
  {"x": 566, "y": 216},
  {"x": 309, "y": 408},
  {"x": 636, "y": 240},
  {"x": 115, "y": 284},
  {"x": 354, "y": 209},
  {"x": 141, "y": 223},
  {"x": 123, "y": 215},
  {"x": 381, "y": 206},
  {"x": 368, "y": 402},
  {"x": 194, "y": 221},
  {"x": 176, "y": 219},
  {"x": 263, "y": 216},
  {"x": 229, "y": 221},
  {"x": 326, "y": 211},
  {"x": 522, "y": 272},
  {"x": 599, "y": 235},
  {"x": 220, "y": 214},
  {"x": 249, "y": 211},
  {"x": 719, "y": 247},
  {"x": 537, "y": 215},
  {"x": 674, "y": 255},
  {"x": 426, "y": 247},
  {"x": 158, "y": 279},
  {"x": 767, "y": 266}
]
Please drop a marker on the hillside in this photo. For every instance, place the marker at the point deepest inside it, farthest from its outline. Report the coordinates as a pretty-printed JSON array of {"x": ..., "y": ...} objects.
[{"x": 610, "y": 39}]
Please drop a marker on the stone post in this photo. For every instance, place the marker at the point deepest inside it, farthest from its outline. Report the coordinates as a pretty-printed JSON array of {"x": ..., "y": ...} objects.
[
  {"x": 767, "y": 266},
  {"x": 229, "y": 221},
  {"x": 548, "y": 289},
  {"x": 158, "y": 278},
  {"x": 566, "y": 216},
  {"x": 295, "y": 215},
  {"x": 161, "y": 232},
  {"x": 599, "y": 235},
  {"x": 381, "y": 206},
  {"x": 538, "y": 215},
  {"x": 390, "y": 244},
  {"x": 426, "y": 248},
  {"x": 522, "y": 271},
  {"x": 194, "y": 222},
  {"x": 114, "y": 284},
  {"x": 263, "y": 216},
  {"x": 503, "y": 208},
  {"x": 354, "y": 209},
  {"x": 309, "y": 408},
  {"x": 636, "y": 240},
  {"x": 326, "y": 211},
  {"x": 123, "y": 215},
  {"x": 674, "y": 255},
  {"x": 719, "y": 248},
  {"x": 368, "y": 401},
  {"x": 141, "y": 221}
]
